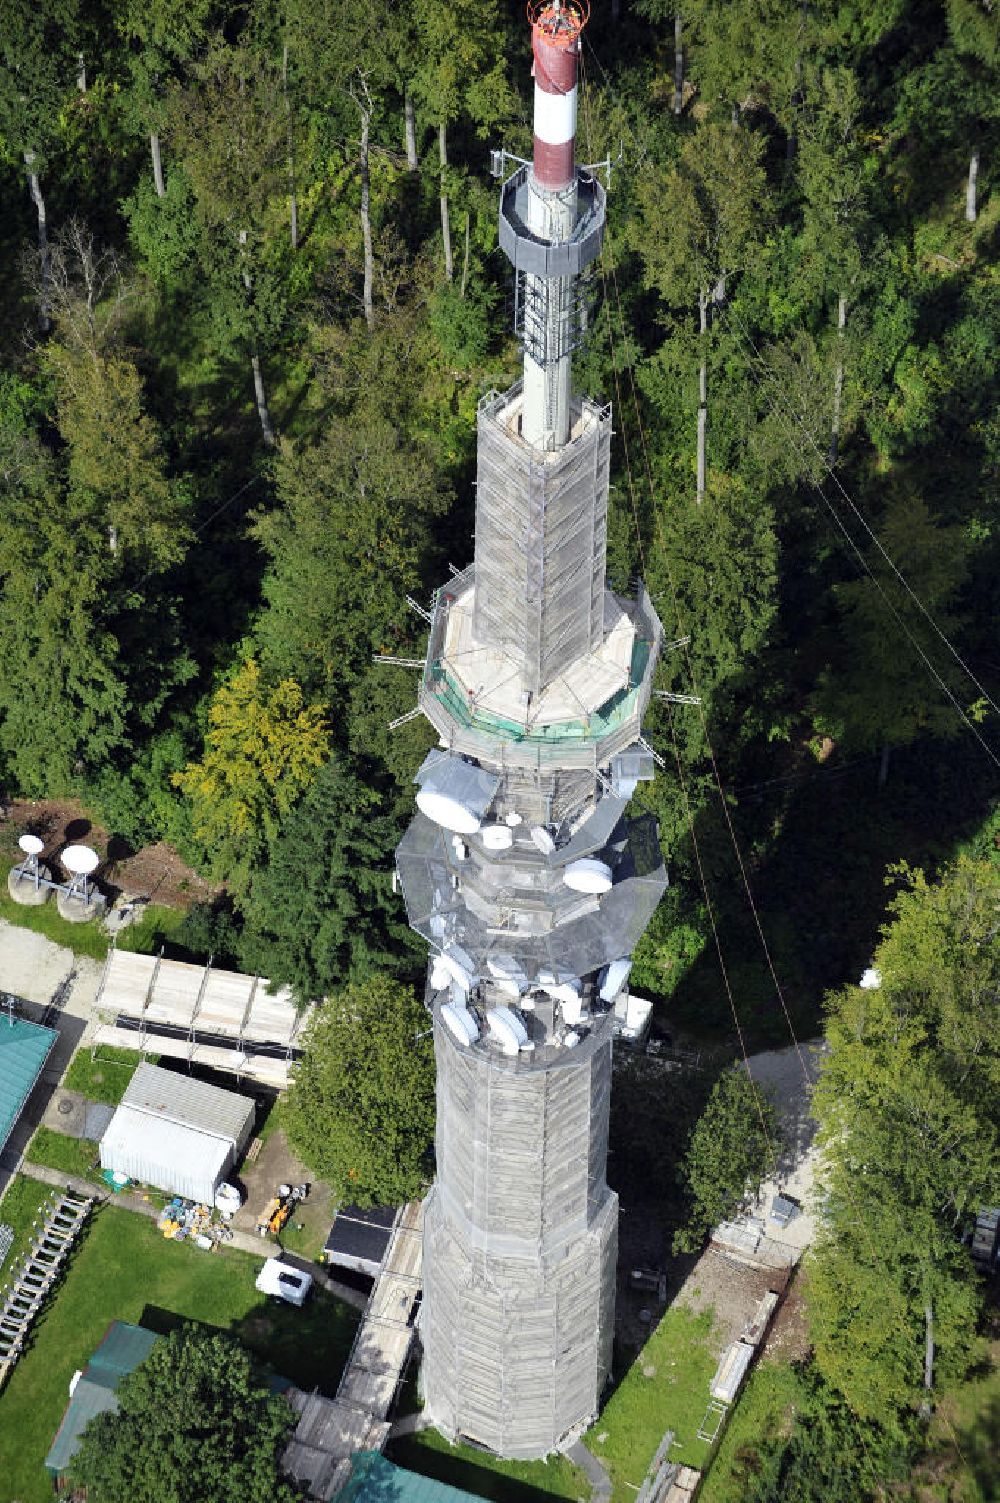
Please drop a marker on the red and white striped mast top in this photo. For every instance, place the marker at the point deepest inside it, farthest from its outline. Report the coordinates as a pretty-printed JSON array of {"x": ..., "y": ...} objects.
[{"x": 555, "y": 39}]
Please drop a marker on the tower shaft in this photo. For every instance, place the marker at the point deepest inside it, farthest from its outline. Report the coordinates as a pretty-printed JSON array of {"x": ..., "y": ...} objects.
[{"x": 522, "y": 868}]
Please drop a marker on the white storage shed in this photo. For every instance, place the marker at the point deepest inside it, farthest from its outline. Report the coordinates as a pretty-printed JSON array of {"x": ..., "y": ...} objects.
[{"x": 177, "y": 1133}]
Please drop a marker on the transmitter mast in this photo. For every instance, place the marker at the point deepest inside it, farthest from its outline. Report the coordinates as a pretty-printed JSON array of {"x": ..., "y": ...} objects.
[{"x": 522, "y": 868}]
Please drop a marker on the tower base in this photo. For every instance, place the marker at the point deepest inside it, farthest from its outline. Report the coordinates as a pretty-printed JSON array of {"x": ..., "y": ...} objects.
[{"x": 519, "y": 1352}]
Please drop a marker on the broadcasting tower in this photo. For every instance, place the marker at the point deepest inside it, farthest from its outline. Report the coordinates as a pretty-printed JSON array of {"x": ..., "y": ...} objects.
[{"x": 522, "y": 869}]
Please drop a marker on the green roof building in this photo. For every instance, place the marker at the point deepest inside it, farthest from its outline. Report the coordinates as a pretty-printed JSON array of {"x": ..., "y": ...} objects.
[
  {"x": 24, "y": 1048},
  {"x": 376, "y": 1480},
  {"x": 123, "y": 1348}
]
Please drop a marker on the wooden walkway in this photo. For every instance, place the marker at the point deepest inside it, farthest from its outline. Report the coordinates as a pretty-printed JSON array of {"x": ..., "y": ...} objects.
[
  {"x": 31, "y": 1283},
  {"x": 331, "y": 1430}
]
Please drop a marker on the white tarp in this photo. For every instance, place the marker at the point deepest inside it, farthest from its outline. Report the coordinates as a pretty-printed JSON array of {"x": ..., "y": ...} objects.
[{"x": 168, "y": 1155}]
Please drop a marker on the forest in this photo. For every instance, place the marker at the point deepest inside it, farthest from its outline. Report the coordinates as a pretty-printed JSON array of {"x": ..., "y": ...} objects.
[{"x": 251, "y": 297}]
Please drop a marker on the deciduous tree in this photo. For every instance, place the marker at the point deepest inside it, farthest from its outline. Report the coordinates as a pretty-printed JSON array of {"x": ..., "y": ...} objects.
[
  {"x": 360, "y": 1110},
  {"x": 263, "y": 747},
  {"x": 195, "y": 1424},
  {"x": 908, "y": 1103}
]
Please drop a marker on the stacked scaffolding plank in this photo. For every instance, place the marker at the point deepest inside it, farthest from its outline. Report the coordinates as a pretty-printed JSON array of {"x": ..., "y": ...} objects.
[
  {"x": 200, "y": 1014},
  {"x": 32, "y": 1282}
]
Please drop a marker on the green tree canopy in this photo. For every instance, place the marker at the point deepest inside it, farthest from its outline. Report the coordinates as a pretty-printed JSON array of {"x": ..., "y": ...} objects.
[
  {"x": 193, "y": 1425},
  {"x": 360, "y": 1110},
  {"x": 732, "y": 1148},
  {"x": 263, "y": 748},
  {"x": 908, "y": 1103},
  {"x": 322, "y": 912}
]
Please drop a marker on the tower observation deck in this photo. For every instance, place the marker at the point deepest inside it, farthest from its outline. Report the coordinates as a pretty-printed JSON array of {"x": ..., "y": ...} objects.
[{"x": 522, "y": 868}]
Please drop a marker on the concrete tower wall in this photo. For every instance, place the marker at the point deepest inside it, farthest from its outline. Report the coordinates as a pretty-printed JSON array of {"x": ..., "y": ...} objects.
[
  {"x": 520, "y": 1246},
  {"x": 541, "y": 539}
]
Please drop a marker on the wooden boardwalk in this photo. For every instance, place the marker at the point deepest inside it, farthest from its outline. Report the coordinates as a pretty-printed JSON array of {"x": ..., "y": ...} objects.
[
  {"x": 331, "y": 1430},
  {"x": 30, "y": 1284}
]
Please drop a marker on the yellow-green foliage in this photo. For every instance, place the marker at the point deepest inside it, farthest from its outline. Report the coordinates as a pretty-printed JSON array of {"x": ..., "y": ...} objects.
[{"x": 262, "y": 749}]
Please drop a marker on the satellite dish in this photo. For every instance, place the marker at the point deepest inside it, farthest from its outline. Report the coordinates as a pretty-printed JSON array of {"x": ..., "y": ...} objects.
[
  {"x": 460, "y": 1023},
  {"x": 588, "y": 875},
  {"x": 572, "y": 1010},
  {"x": 543, "y": 840},
  {"x": 615, "y": 978},
  {"x": 80, "y": 860},
  {"x": 31, "y": 845},
  {"x": 513, "y": 819},
  {"x": 440, "y": 976},
  {"x": 449, "y": 812},
  {"x": 497, "y": 837}
]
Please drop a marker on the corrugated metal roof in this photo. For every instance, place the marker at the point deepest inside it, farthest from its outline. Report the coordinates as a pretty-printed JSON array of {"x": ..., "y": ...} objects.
[
  {"x": 376, "y": 1480},
  {"x": 172, "y": 1097},
  {"x": 169, "y": 1155},
  {"x": 122, "y": 1349},
  {"x": 24, "y": 1048}
]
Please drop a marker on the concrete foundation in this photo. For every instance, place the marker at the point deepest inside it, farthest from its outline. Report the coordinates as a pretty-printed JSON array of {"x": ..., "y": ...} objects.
[
  {"x": 23, "y": 890},
  {"x": 75, "y": 911}
]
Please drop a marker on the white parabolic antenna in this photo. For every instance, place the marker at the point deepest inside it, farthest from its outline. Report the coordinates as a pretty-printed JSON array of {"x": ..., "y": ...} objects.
[
  {"x": 31, "y": 845},
  {"x": 447, "y": 811},
  {"x": 588, "y": 875},
  {"x": 80, "y": 860},
  {"x": 497, "y": 837}
]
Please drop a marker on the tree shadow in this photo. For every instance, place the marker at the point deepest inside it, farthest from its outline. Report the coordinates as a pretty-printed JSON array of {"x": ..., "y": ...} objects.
[
  {"x": 119, "y": 849},
  {"x": 819, "y": 886}
]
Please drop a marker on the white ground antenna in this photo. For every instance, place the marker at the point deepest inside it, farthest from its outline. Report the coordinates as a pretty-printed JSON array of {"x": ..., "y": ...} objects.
[
  {"x": 32, "y": 848},
  {"x": 80, "y": 861}
]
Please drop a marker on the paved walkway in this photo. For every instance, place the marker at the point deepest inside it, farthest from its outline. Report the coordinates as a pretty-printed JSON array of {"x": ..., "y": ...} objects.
[{"x": 597, "y": 1474}]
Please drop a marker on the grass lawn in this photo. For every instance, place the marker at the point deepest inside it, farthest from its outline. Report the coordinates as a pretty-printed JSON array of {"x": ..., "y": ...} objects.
[
  {"x": 314, "y": 1220},
  {"x": 504, "y": 1481},
  {"x": 157, "y": 926},
  {"x": 105, "y": 1076},
  {"x": 71, "y": 1155},
  {"x": 125, "y": 1270},
  {"x": 18, "y": 1209},
  {"x": 961, "y": 1461},
  {"x": 764, "y": 1412},
  {"x": 680, "y": 1359},
  {"x": 83, "y": 939}
]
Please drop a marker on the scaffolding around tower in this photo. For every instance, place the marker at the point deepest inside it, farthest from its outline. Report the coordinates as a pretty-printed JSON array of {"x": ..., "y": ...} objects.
[
  {"x": 522, "y": 868},
  {"x": 520, "y": 1245},
  {"x": 541, "y": 538}
]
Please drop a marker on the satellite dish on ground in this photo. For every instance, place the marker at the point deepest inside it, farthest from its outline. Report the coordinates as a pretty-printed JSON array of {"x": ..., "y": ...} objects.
[
  {"x": 543, "y": 840},
  {"x": 513, "y": 819},
  {"x": 80, "y": 860},
  {"x": 31, "y": 845}
]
